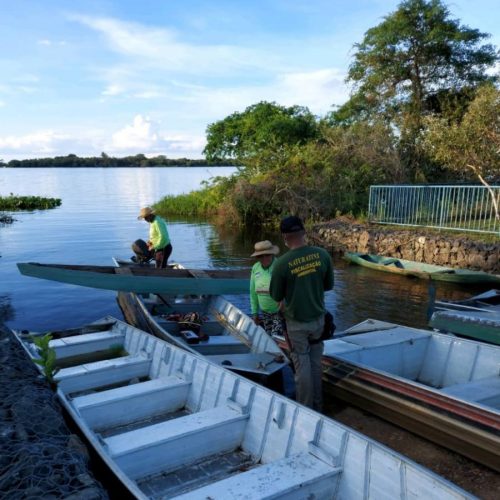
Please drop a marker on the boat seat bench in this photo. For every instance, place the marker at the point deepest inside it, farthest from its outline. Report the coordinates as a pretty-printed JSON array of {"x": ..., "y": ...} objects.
[
  {"x": 87, "y": 343},
  {"x": 261, "y": 363},
  {"x": 298, "y": 476},
  {"x": 485, "y": 391},
  {"x": 102, "y": 373},
  {"x": 221, "y": 344},
  {"x": 131, "y": 403},
  {"x": 168, "y": 445}
]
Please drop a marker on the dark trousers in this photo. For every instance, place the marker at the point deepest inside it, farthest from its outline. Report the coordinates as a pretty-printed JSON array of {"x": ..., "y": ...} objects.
[{"x": 162, "y": 255}]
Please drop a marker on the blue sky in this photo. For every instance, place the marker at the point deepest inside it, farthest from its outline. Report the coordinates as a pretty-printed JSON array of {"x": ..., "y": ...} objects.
[{"x": 129, "y": 76}]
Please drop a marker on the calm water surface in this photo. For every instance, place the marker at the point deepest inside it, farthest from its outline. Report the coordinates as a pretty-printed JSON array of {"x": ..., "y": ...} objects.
[{"x": 97, "y": 220}]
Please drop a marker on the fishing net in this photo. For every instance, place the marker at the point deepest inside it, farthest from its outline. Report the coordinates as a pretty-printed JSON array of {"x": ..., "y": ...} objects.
[{"x": 39, "y": 456}]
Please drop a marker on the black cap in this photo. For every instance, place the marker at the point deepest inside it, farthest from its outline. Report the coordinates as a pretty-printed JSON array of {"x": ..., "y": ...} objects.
[{"x": 291, "y": 224}]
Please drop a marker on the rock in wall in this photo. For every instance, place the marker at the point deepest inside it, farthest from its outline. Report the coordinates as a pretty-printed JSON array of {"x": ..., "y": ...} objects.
[{"x": 417, "y": 245}]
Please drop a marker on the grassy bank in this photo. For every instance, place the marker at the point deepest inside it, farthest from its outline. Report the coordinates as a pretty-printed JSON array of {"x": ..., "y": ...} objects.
[{"x": 208, "y": 201}]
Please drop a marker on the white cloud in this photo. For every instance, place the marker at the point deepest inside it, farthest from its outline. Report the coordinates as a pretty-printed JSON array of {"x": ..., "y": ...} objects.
[
  {"x": 317, "y": 90},
  {"x": 161, "y": 47},
  {"x": 2, "y": 104},
  {"x": 141, "y": 135},
  {"x": 112, "y": 90},
  {"x": 37, "y": 142},
  {"x": 47, "y": 43},
  {"x": 144, "y": 136}
]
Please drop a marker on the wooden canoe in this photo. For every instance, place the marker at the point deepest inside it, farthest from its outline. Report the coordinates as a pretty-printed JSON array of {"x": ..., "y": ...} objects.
[
  {"x": 420, "y": 270},
  {"x": 170, "y": 424},
  {"x": 442, "y": 387},
  {"x": 144, "y": 279}
]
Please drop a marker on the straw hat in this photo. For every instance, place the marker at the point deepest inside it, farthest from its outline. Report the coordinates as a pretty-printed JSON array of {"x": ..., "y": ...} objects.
[
  {"x": 265, "y": 248},
  {"x": 145, "y": 212}
]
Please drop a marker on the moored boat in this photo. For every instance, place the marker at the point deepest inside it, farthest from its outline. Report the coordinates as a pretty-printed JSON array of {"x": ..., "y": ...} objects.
[
  {"x": 225, "y": 333},
  {"x": 477, "y": 317},
  {"x": 170, "y": 424},
  {"x": 445, "y": 388},
  {"x": 143, "y": 279},
  {"x": 489, "y": 300},
  {"x": 420, "y": 270}
]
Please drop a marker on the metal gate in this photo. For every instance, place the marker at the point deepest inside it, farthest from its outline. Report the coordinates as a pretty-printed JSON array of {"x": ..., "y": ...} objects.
[{"x": 461, "y": 208}]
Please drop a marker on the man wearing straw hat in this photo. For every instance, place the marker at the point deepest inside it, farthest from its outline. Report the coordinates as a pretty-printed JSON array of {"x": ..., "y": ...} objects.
[
  {"x": 159, "y": 241},
  {"x": 265, "y": 310}
]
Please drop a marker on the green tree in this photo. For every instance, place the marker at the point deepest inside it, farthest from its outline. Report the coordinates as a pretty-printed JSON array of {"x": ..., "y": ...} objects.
[
  {"x": 411, "y": 63},
  {"x": 472, "y": 144},
  {"x": 261, "y": 126}
]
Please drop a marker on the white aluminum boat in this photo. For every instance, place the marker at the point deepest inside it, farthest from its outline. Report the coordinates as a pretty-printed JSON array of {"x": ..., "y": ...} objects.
[
  {"x": 441, "y": 386},
  {"x": 170, "y": 424},
  {"x": 229, "y": 336}
]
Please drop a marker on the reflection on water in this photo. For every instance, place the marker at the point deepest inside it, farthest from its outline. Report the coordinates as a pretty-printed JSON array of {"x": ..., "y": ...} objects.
[
  {"x": 98, "y": 220},
  {"x": 362, "y": 293},
  {"x": 6, "y": 309}
]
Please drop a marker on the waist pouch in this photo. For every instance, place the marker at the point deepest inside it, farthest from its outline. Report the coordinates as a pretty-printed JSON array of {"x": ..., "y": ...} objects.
[{"x": 328, "y": 329}]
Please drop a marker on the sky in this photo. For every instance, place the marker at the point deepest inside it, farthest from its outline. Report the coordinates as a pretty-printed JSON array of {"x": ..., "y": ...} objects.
[{"x": 126, "y": 76}]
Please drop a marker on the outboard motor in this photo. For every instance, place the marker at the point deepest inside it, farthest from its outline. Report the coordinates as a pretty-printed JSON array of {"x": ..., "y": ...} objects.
[{"x": 142, "y": 253}]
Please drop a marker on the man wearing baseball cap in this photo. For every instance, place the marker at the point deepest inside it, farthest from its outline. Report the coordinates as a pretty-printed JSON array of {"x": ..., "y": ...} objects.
[
  {"x": 299, "y": 279},
  {"x": 159, "y": 240}
]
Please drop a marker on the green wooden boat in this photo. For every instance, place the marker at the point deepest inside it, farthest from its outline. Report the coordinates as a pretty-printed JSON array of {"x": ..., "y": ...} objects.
[
  {"x": 144, "y": 279},
  {"x": 477, "y": 317},
  {"x": 420, "y": 270}
]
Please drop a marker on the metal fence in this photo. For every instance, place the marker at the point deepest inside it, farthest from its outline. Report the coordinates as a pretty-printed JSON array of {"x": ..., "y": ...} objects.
[{"x": 461, "y": 208}]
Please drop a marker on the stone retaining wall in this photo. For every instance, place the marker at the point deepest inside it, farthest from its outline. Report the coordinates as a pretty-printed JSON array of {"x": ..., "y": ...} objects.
[{"x": 416, "y": 245}]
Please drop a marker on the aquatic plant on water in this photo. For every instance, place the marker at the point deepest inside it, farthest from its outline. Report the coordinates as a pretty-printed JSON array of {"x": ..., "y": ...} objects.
[{"x": 14, "y": 203}]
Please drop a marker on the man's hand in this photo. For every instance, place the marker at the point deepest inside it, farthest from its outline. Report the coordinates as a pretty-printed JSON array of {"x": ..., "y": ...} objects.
[{"x": 256, "y": 319}]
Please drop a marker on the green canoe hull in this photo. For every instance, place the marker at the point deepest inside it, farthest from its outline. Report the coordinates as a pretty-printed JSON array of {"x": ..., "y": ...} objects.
[
  {"x": 420, "y": 270},
  {"x": 108, "y": 279},
  {"x": 466, "y": 327}
]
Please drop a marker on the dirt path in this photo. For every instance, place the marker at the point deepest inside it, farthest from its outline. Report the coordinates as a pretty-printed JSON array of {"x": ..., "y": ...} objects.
[{"x": 471, "y": 476}]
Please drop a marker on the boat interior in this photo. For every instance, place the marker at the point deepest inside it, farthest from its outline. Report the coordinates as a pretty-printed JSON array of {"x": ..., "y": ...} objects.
[
  {"x": 226, "y": 336},
  {"x": 172, "y": 425},
  {"x": 488, "y": 301},
  {"x": 460, "y": 368}
]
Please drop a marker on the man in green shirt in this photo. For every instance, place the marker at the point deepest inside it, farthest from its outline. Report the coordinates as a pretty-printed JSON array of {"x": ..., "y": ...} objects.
[
  {"x": 299, "y": 279},
  {"x": 159, "y": 240},
  {"x": 264, "y": 308}
]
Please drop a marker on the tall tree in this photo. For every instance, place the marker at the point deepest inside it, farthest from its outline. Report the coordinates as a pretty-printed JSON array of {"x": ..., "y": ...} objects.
[
  {"x": 260, "y": 126},
  {"x": 471, "y": 146},
  {"x": 417, "y": 56}
]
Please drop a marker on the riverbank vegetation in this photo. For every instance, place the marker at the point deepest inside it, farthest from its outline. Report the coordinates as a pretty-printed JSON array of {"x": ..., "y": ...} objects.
[
  {"x": 106, "y": 161},
  {"x": 17, "y": 203},
  {"x": 416, "y": 72}
]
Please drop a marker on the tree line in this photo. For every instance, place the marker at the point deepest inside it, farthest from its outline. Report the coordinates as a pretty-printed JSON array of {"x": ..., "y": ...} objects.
[
  {"x": 424, "y": 108},
  {"x": 140, "y": 160}
]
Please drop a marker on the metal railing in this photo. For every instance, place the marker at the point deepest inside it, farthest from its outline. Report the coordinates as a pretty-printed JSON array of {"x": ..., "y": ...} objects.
[{"x": 461, "y": 208}]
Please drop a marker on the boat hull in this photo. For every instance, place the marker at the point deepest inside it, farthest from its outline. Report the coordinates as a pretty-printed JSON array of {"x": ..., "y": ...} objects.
[
  {"x": 465, "y": 426},
  {"x": 259, "y": 358},
  {"x": 155, "y": 281},
  {"x": 461, "y": 323},
  {"x": 420, "y": 270},
  {"x": 170, "y": 414}
]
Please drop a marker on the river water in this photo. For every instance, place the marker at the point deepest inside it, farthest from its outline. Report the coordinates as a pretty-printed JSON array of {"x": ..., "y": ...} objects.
[{"x": 98, "y": 220}]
